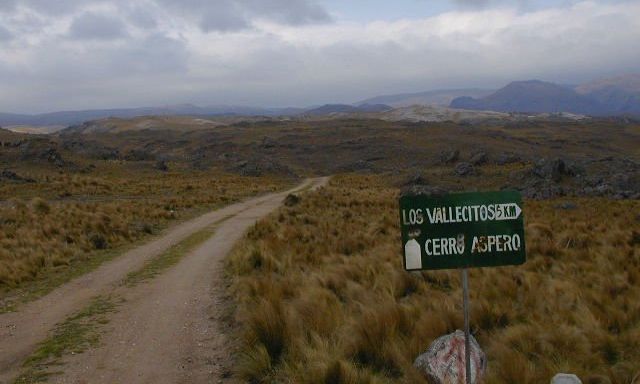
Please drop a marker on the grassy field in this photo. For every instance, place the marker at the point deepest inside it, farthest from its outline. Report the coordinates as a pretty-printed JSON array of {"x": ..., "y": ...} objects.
[
  {"x": 62, "y": 222},
  {"x": 322, "y": 297}
]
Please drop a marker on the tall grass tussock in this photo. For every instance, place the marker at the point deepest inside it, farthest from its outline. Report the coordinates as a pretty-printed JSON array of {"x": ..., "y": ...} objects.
[{"x": 322, "y": 297}]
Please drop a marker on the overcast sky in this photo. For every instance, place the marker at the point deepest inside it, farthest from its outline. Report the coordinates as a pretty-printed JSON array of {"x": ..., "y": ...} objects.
[{"x": 79, "y": 54}]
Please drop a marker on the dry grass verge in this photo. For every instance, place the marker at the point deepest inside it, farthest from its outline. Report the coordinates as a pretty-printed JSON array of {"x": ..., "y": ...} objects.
[
  {"x": 63, "y": 223},
  {"x": 322, "y": 297}
]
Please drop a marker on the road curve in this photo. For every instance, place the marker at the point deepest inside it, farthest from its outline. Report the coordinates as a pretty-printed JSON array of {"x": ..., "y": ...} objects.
[{"x": 162, "y": 323}]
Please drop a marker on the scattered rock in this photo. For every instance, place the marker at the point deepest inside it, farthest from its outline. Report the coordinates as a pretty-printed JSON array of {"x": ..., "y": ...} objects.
[
  {"x": 556, "y": 169},
  {"x": 542, "y": 189},
  {"x": 464, "y": 169},
  {"x": 260, "y": 166},
  {"x": 565, "y": 378},
  {"x": 622, "y": 181},
  {"x": 418, "y": 185},
  {"x": 426, "y": 190},
  {"x": 415, "y": 180},
  {"x": 12, "y": 176},
  {"x": 244, "y": 168},
  {"x": 479, "y": 158},
  {"x": 52, "y": 156},
  {"x": 90, "y": 149},
  {"x": 567, "y": 205},
  {"x": 444, "y": 360},
  {"x": 553, "y": 169},
  {"x": 360, "y": 166},
  {"x": 450, "y": 156},
  {"x": 138, "y": 155},
  {"x": 508, "y": 158},
  {"x": 268, "y": 142}
]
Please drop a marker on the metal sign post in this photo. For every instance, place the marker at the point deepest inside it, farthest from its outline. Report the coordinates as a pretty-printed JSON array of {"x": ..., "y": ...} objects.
[
  {"x": 462, "y": 230},
  {"x": 467, "y": 342}
]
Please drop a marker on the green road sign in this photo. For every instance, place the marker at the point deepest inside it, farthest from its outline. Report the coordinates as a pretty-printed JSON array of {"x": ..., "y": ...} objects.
[{"x": 460, "y": 230}]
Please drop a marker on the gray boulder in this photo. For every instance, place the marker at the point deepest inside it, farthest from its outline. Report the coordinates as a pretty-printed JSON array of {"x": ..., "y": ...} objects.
[
  {"x": 444, "y": 360},
  {"x": 450, "y": 156},
  {"x": 464, "y": 169},
  {"x": 565, "y": 378},
  {"x": 53, "y": 156},
  {"x": 479, "y": 158},
  {"x": 507, "y": 158},
  {"x": 542, "y": 189},
  {"x": 423, "y": 190},
  {"x": 553, "y": 169},
  {"x": 567, "y": 205}
]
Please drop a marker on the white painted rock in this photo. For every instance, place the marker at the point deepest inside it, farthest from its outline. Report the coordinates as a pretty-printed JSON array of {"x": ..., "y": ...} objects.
[
  {"x": 443, "y": 362},
  {"x": 565, "y": 378}
]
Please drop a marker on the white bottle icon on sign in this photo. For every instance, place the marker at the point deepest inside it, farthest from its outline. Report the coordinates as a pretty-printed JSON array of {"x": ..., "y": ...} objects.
[{"x": 412, "y": 257}]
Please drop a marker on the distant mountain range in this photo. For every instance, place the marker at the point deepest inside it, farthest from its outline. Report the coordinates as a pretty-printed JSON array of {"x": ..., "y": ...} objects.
[
  {"x": 606, "y": 97},
  {"x": 438, "y": 97},
  {"x": 66, "y": 118},
  {"x": 328, "y": 109},
  {"x": 609, "y": 97}
]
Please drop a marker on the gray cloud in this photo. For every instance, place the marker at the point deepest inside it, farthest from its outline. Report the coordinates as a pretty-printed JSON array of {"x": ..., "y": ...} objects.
[
  {"x": 168, "y": 51},
  {"x": 142, "y": 18},
  {"x": 472, "y": 3},
  {"x": 5, "y": 34},
  {"x": 155, "y": 54},
  {"x": 7, "y": 5},
  {"x": 290, "y": 12},
  {"x": 225, "y": 16},
  {"x": 50, "y": 7},
  {"x": 90, "y": 25},
  {"x": 234, "y": 15},
  {"x": 218, "y": 15}
]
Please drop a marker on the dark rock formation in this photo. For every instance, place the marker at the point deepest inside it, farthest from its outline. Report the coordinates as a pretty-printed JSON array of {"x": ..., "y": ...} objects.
[{"x": 464, "y": 169}]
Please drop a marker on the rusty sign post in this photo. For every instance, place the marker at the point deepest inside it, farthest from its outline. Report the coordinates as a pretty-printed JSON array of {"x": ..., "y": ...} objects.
[{"x": 462, "y": 230}]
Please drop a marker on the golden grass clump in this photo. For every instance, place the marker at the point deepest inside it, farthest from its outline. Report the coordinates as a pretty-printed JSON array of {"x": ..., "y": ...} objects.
[
  {"x": 322, "y": 297},
  {"x": 63, "y": 219}
]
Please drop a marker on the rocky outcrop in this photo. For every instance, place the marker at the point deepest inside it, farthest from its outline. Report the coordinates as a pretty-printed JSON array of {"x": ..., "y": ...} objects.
[
  {"x": 464, "y": 169},
  {"x": 418, "y": 185},
  {"x": 613, "y": 178},
  {"x": 450, "y": 156},
  {"x": 7, "y": 175},
  {"x": 479, "y": 158}
]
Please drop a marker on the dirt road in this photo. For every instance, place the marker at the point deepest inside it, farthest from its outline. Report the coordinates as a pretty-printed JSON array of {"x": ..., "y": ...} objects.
[{"x": 163, "y": 333}]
